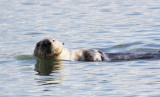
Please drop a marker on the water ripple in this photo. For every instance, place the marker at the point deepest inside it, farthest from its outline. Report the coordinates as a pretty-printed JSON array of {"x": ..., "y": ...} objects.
[{"x": 107, "y": 25}]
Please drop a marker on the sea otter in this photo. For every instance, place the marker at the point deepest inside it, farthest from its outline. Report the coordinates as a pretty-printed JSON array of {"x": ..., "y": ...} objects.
[{"x": 53, "y": 49}]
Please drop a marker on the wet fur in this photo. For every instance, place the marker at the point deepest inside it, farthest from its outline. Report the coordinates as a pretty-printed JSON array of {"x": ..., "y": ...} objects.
[{"x": 53, "y": 49}]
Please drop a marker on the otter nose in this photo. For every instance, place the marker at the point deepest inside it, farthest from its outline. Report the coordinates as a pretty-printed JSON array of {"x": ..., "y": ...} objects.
[{"x": 46, "y": 43}]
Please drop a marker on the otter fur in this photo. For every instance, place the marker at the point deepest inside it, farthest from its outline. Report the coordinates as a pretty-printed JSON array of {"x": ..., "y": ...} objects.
[{"x": 54, "y": 49}]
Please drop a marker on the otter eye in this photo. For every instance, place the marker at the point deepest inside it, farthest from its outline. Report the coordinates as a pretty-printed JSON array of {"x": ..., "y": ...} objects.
[
  {"x": 63, "y": 43},
  {"x": 53, "y": 40}
]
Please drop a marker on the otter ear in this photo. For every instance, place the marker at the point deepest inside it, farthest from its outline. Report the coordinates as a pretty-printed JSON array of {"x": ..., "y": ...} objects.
[
  {"x": 103, "y": 56},
  {"x": 63, "y": 43},
  {"x": 38, "y": 44}
]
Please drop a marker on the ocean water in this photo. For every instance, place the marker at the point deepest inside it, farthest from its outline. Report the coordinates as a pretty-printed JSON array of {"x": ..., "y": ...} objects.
[{"x": 108, "y": 25}]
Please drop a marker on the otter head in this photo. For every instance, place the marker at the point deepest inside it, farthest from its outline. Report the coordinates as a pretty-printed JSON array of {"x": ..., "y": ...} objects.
[{"x": 48, "y": 47}]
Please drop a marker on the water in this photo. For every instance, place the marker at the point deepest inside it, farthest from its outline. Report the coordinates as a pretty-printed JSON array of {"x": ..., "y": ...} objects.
[{"x": 108, "y": 25}]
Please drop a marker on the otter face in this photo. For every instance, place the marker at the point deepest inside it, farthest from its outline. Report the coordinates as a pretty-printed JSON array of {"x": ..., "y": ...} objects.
[
  {"x": 94, "y": 55},
  {"x": 48, "y": 47}
]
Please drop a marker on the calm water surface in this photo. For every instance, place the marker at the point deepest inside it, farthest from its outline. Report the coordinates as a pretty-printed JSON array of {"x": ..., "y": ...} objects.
[{"x": 108, "y": 25}]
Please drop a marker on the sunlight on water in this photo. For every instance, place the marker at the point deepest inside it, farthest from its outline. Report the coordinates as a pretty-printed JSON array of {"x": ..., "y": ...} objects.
[{"x": 109, "y": 25}]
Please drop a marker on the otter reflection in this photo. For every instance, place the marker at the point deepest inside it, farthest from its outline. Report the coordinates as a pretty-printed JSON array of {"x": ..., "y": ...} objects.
[{"x": 47, "y": 66}]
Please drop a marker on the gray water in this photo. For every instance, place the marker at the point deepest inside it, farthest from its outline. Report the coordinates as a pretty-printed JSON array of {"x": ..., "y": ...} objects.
[{"x": 108, "y": 25}]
